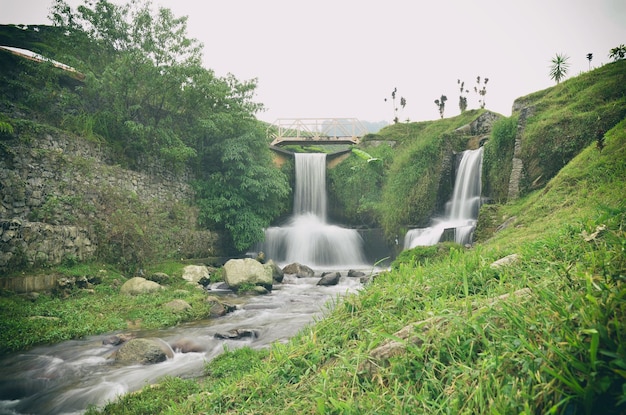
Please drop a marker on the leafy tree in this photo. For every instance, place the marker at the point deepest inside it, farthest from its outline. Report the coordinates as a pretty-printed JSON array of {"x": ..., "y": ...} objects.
[
  {"x": 618, "y": 52},
  {"x": 245, "y": 193},
  {"x": 559, "y": 67},
  {"x": 149, "y": 96},
  {"x": 462, "y": 98},
  {"x": 441, "y": 103},
  {"x": 481, "y": 90}
]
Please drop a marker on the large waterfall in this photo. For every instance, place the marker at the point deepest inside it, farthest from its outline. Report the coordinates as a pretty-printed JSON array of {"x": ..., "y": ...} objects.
[
  {"x": 307, "y": 238},
  {"x": 461, "y": 211}
]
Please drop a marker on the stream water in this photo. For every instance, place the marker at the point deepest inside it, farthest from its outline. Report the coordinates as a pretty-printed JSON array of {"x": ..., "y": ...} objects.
[{"x": 66, "y": 378}]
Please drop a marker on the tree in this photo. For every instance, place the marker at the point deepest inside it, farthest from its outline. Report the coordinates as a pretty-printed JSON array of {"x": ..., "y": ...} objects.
[
  {"x": 589, "y": 58},
  {"x": 559, "y": 67},
  {"x": 151, "y": 98},
  {"x": 618, "y": 53},
  {"x": 393, "y": 103},
  {"x": 481, "y": 91},
  {"x": 462, "y": 98},
  {"x": 441, "y": 104},
  {"x": 245, "y": 192}
]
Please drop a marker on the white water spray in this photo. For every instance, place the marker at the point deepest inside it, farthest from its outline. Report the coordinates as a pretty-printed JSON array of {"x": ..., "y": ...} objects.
[
  {"x": 461, "y": 210},
  {"x": 307, "y": 238}
]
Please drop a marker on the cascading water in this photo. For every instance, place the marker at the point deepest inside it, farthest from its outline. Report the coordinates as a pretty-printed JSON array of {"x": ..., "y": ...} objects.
[
  {"x": 461, "y": 210},
  {"x": 307, "y": 238}
]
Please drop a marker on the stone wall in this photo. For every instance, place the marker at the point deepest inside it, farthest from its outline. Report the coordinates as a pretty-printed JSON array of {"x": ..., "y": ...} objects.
[
  {"x": 53, "y": 188},
  {"x": 517, "y": 170}
]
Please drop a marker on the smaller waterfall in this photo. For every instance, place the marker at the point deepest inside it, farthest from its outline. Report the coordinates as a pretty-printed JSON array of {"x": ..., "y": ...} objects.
[
  {"x": 307, "y": 238},
  {"x": 461, "y": 210}
]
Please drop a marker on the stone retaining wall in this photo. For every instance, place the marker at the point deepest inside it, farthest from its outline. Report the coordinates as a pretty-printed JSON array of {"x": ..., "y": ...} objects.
[{"x": 52, "y": 188}]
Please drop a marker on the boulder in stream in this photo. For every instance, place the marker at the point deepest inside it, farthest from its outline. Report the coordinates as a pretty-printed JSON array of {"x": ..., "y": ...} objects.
[
  {"x": 329, "y": 278},
  {"x": 144, "y": 351},
  {"x": 237, "y": 334},
  {"x": 277, "y": 273},
  {"x": 247, "y": 271},
  {"x": 299, "y": 270}
]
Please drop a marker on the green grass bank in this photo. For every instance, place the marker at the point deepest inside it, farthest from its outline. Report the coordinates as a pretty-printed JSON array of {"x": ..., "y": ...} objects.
[{"x": 544, "y": 334}]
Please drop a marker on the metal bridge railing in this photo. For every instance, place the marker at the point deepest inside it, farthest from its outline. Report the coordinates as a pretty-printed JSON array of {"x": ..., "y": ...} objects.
[{"x": 327, "y": 130}]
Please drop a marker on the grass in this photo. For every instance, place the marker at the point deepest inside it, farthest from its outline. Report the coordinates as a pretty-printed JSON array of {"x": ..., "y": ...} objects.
[
  {"x": 51, "y": 318},
  {"x": 545, "y": 334}
]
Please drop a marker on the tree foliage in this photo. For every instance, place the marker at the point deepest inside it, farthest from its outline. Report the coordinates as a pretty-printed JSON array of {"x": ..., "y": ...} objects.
[
  {"x": 618, "y": 52},
  {"x": 441, "y": 104},
  {"x": 559, "y": 67},
  {"x": 147, "y": 95}
]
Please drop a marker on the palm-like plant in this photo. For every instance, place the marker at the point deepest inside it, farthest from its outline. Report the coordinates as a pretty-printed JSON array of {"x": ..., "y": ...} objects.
[
  {"x": 618, "y": 53},
  {"x": 559, "y": 67}
]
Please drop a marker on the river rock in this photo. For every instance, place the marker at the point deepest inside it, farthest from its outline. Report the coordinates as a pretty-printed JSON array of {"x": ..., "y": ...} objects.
[
  {"x": 185, "y": 345},
  {"x": 236, "y": 334},
  {"x": 144, "y": 351},
  {"x": 355, "y": 274},
  {"x": 218, "y": 308},
  {"x": 299, "y": 270},
  {"x": 246, "y": 271},
  {"x": 178, "y": 305},
  {"x": 329, "y": 278},
  {"x": 194, "y": 273},
  {"x": 117, "y": 339},
  {"x": 139, "y": 285},
  {"x": 277, "y": 273}
]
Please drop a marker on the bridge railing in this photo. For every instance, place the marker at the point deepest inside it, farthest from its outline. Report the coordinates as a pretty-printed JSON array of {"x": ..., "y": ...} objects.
[{"x": 328, "y": 130}]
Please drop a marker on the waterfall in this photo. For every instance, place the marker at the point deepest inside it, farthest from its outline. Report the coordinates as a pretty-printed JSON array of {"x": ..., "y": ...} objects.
[
  {"x": 461, "y": 210},
  {"x": 310, "y": 192},
  {"x": 307, "y": 238}
]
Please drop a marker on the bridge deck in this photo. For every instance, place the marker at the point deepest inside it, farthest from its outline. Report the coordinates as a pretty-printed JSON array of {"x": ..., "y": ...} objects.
[{"x": 311, "y": 131}]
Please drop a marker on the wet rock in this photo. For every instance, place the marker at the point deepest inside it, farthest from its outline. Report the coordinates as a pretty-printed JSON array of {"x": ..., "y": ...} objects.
[
  {"x": 185, "y": 345},
  {"x": 139, "y": 285},
  {"x": 329, "y": 278},
  {"x": 117, "y": 339},
  {"x": 245, "y": 272},
  {"x": 144, "y": 351},
  {"x": 277, "y": 274},
  {"x": 236, "y": 334},
  {"x": 219, "y": 308},
  {"x": 299, "y": 270},
  {"x": 355, "y": 274}
]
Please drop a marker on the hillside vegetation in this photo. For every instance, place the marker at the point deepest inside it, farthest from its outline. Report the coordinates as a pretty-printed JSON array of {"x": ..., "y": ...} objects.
[
  {"x": 445, "y": 332},
  {"x": 140, "y": 90},
  {"x": 414, "y": 177}
]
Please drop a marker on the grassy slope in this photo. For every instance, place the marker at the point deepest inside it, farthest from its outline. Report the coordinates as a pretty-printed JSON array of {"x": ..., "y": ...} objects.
[{"x": 560, "y": 349}]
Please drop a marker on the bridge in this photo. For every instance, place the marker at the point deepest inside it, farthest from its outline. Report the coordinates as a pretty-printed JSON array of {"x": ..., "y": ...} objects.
[{"x": 312, "y": 131}]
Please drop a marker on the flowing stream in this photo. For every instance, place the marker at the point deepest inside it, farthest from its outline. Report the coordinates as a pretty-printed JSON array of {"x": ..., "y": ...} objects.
[
  {"x": 66, "y": 378},
  {"x": 461, "y": 210},
  {"x": 307, "y": 237}
]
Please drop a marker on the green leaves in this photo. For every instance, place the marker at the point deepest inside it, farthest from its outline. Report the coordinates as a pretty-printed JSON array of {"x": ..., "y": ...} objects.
[{"x": 559, "y": 68}]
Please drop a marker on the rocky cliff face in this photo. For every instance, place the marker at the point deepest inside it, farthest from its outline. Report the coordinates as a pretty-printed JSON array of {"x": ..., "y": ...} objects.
[{"x": 62, "y": 196}]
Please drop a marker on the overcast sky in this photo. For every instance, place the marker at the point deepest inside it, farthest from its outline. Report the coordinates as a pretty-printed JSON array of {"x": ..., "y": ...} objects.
[{"x": 342, "y": 58}]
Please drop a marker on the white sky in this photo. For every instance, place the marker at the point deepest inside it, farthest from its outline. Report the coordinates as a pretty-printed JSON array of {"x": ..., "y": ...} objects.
[{"x": 342, "y": 58}]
